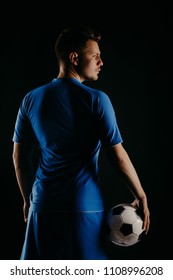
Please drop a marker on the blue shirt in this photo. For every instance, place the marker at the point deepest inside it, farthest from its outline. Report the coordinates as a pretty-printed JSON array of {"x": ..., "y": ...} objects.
[{"x": 69, "y": 122}]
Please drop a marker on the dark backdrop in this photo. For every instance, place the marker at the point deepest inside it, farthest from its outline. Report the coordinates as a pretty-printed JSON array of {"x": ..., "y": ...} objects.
[{"x": 137, "y": 46}]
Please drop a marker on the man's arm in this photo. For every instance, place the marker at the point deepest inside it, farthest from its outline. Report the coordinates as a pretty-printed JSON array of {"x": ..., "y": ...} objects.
[
  {"x": 119, "y": 158},
  {"x": 22, "y": 160}
]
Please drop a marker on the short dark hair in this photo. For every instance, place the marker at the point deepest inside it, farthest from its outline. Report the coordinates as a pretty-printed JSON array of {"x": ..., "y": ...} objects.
[{"x": 74, "y": 39}]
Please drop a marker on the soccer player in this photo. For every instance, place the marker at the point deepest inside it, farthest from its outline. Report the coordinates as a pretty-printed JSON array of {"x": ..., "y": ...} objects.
[{"x": 69, "y": 122}]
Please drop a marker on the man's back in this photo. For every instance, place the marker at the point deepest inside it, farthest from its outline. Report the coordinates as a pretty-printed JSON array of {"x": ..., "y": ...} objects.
[{"x": 67, "y": 120}]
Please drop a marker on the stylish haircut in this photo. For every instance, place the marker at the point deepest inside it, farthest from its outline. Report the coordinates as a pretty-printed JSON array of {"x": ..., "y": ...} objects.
[{"x": 74, "y": 39}]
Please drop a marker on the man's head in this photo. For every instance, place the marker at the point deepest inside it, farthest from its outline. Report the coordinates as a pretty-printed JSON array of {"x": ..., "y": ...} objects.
[
  {"x": 78, "y": 53},
  {"x": 74, "y": 39}
]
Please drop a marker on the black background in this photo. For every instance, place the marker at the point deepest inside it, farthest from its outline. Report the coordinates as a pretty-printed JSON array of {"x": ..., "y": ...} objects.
[{"x": 137, "y": 47}]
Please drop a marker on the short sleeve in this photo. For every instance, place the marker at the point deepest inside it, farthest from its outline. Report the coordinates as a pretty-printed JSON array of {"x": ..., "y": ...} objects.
[
  {"x": 107, "y": 126},
  {"x": 23, "y": 132}
]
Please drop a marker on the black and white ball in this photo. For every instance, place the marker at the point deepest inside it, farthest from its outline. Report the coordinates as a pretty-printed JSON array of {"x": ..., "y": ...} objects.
[{"x": 125, "y": 225}]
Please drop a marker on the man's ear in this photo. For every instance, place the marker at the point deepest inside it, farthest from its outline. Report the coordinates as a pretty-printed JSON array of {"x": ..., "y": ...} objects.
[{"x": 74, "y": 58}]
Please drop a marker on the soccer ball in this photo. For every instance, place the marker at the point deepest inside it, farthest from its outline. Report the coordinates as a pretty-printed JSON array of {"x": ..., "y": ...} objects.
[{"x": 125, "y": 225}]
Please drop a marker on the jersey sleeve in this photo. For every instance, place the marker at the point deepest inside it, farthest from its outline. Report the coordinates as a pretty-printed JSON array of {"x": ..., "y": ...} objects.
[
  {"x": 107, "y": 126},
  {"x": 23, "y": 132}
]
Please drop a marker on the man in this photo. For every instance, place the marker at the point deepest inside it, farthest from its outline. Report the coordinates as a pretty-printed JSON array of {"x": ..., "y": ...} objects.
[{"x": 69, "y": 122}]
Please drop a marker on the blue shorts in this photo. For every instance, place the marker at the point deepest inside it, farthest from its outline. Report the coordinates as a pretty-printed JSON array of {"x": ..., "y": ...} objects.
[{"x": 65, "y": 236}]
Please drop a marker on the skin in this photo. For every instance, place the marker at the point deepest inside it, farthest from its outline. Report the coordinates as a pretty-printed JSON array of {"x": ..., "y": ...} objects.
[{"x": 84, "y": 66}]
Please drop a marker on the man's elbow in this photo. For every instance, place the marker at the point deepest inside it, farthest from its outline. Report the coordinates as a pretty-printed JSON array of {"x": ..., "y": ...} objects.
[{"x": 15, "y": 159}]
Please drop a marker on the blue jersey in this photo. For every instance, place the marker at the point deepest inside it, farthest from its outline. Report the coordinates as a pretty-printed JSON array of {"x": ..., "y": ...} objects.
[{"x": 69, "y": 122}]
